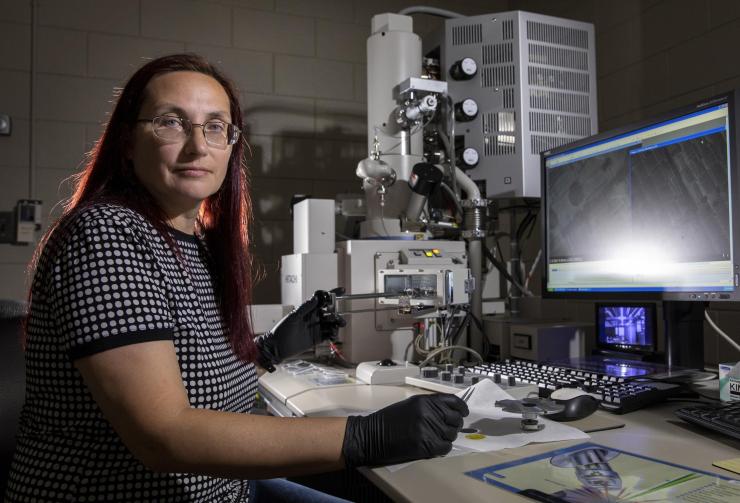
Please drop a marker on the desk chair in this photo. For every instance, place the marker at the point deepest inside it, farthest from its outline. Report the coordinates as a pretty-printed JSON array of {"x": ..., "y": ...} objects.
[{"x": 12, "y": 381}]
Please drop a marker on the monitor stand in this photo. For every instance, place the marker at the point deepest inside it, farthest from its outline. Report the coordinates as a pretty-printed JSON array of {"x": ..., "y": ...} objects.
[
  {"x": 684, "y": 333},
  {"x": 619, "y": 355}
]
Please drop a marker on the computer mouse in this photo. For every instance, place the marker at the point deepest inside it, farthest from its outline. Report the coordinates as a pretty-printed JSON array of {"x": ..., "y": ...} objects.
[
  {"x": 567, "y": 393},
  {"x": 578, "y": 404}
]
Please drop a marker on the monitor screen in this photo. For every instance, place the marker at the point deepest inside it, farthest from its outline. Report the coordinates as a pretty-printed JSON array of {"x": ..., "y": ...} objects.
[
  {"x": 626, "y": 328},
  {"x": 644, "y": 210}
]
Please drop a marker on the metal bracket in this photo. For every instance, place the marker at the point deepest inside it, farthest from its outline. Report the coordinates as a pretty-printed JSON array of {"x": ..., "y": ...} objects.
[{"x": 470, "y": 285}]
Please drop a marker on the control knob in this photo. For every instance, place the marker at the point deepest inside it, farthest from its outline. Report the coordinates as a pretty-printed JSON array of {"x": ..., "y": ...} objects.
[
  {"x": 466, "y": 110},
  {"x": 464, "y": 69},
  {"x": 429, "y": 372},
  {"x": 469, "y": 157}
]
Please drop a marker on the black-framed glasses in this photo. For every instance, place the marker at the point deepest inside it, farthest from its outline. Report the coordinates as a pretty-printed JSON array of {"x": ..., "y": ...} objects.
[{"x": 173, "y": 128}]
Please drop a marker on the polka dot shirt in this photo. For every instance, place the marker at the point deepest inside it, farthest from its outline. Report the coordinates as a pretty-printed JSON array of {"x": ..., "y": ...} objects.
[{"x": 111, "y": 282}]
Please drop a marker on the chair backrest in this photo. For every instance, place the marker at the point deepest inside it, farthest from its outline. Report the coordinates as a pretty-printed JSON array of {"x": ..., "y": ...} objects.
[{"x": 12, "y": 381}]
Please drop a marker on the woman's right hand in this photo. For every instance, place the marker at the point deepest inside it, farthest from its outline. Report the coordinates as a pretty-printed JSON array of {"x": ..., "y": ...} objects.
[
  {"x": 422, "y": 426},
  {"x": 304, "y": 327}
]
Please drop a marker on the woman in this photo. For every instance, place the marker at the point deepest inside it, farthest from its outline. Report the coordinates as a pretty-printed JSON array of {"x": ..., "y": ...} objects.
[{"x": 140, "y": 356}]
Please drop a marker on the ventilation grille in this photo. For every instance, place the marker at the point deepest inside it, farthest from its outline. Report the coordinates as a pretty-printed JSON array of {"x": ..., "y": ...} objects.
[
  {"x": 556, "y": 56},
  {"x": 467, "y": 34},
  {"x": 499, "y": 129},
  {"x": 559, "y": 124},
  {"x": 498, "y": 71},
  {"x": 499, "y": 122},
  {"x": 559, "y": 102},
  {"x": 496, "y": 54},
  {"x": 499, "y": 145},
  {"x": 558, "y": 79},
  {"x": 497, "y": 76},
  {"x": 553, "y": 34},
  {"x": 508, "y": 98},
  {"x": 542, "y": 143},
  {"x": 507, "y": 29}
]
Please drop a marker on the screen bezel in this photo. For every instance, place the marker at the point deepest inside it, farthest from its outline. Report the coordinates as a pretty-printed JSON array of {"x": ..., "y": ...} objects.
[
  {"x": 731, "y": 99},
  {"x": 650, "y": 311}
]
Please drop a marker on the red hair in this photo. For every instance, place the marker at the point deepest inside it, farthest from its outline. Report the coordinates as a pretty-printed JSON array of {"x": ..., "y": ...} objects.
[{"x": 225, "y": 217}]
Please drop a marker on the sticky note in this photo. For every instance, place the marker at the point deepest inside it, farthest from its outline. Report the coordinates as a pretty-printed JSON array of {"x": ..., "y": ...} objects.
[{"x": 732, "y": 465}]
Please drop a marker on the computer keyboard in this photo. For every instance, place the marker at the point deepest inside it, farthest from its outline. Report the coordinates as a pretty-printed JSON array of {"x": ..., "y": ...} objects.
[
  {"x": 616, "y": 394},
  {"x": 721, "y": 418}
]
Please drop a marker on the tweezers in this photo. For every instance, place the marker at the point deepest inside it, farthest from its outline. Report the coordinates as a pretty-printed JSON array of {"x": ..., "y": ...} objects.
[{"x": 468, "y": 393}]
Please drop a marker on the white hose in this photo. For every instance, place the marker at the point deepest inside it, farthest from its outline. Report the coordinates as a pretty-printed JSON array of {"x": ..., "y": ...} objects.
[
  {"x": 719, "y": 330},
  {"x": 531, "y": 269},
  {"x": 448, "y": 348},
  {"x": 464, "y": 182},
  {"x": 417, "y": 345},
  {"x": 467, "y": 184},
  {"x": 434, "y": 11}
]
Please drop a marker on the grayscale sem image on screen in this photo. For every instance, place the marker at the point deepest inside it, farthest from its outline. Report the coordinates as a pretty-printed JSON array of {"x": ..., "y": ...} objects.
[
  {"x": 679, "y": 197},
  {"x": 643, "y": 210},
  {"x": 590, "y": 207}
]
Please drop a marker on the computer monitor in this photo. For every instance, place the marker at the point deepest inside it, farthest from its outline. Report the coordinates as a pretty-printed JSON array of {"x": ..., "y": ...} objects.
[
  {"x": 626, "y": 328},
  {"x": 649, "y": 211}
]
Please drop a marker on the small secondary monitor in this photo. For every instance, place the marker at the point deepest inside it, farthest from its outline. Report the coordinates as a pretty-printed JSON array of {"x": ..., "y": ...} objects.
[
  {"x": 626, "y": 328},
  {"x": 649, "y": 211}
]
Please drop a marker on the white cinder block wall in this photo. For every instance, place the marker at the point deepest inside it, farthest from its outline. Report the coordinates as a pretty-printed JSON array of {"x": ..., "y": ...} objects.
[{"x": 300, "y": 65}]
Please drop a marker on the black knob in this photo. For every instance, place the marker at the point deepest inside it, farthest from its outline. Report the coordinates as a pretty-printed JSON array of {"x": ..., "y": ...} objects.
[
  {"x": 446, "y": 376},
  {"x": 429, "y": 372},
  {"x": 424, "y": 178},
  {"x": 458, "y": 378},
  {"x": 464, "y": 69},
  {"x": 497, "y": 378},
  {"x": 474, "y": 380},
  {"x": 387, "y": 363},
  {"x": 512, "y": 381},
  {"x": 466, "y": 110}
]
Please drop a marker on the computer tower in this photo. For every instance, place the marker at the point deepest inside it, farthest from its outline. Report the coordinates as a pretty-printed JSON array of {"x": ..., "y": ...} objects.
[{"x": 544, "y": 342}]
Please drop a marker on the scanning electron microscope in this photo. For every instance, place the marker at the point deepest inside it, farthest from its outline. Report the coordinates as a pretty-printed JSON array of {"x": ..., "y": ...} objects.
[{"x": 447, "y": 126}]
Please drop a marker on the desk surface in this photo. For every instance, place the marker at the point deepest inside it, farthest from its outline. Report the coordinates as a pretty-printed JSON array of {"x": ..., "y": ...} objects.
[{"x": 653, "y": 432}]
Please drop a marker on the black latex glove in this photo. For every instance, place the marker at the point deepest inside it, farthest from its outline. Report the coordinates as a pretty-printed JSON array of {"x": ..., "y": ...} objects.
[
  {"x": 422, "y": 426},
  {"x": 307, "y": 325}
]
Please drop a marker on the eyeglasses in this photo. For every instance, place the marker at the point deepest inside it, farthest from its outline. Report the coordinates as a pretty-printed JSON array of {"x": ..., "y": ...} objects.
[{"x": 173, "y": 128}]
